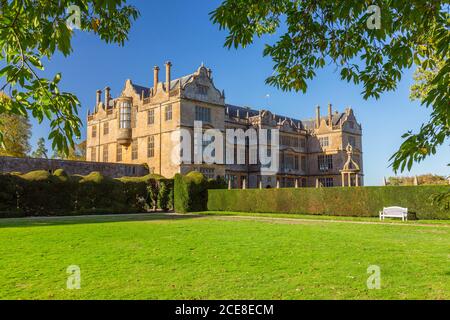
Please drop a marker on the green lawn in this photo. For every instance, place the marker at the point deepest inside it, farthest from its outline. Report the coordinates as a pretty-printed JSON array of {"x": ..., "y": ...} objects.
[
  {"x": 220, "y": 257},
  {"x": 322, "y": 217}
]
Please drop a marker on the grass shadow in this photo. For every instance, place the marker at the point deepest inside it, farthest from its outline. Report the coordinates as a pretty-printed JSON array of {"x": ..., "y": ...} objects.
[{"x": 88, "y": 219}]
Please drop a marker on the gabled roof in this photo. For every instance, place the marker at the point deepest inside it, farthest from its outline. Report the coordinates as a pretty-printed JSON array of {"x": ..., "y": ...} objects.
[
  {"x": 183, "y": 80},
  {"x": 139, "y": 89},
  {"x": 233, "y": 110},
  {"x": 336, "y": 118},
  {"x": 306, "y": 124},
  {"x": 173, "y": 84}
]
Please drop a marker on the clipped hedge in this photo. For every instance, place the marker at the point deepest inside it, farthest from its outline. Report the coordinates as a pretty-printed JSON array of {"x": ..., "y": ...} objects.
[
  {"x": 359, "y": 201},
  {"x": 191, "y": 191},
  {"x": 40, "y": 193}
]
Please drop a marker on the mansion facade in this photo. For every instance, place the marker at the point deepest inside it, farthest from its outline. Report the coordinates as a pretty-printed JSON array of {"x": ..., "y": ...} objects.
[{"x": 136, "y": 127}]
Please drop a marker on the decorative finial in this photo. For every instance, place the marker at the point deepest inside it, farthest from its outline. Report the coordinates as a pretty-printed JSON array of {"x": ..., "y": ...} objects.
[{"x": 349, "y": 149}]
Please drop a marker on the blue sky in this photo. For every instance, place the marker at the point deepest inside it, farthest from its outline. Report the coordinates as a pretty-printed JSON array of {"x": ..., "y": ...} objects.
[{"x": 180, "y": 31}]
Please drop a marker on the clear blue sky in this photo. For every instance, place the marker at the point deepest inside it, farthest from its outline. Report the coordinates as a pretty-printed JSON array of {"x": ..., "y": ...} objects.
[{"x": 181, "y": 31}]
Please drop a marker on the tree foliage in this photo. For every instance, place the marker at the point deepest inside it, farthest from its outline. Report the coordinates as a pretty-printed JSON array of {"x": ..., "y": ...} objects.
[
  {"x": 314, "y": 33},
  {"x": 424, "y": 179},
  {"x": 34, "y": 30},
  {"x": 16, "y": 131},
  {"x": 77, "y": 152},
  {"x": 41, "y": 151}
]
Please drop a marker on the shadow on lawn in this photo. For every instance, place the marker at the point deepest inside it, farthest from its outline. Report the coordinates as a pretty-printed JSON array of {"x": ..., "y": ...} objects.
[{"x": 87, "y": 219}]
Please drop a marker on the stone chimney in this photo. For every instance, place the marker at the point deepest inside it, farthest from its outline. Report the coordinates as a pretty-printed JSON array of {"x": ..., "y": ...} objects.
[
  {"x": 107, "y": 97},
  {"x": 317, "y": 116},
  {"x": 98, "y": 98},
  {"x": 168, "y": 67},
  {"x": 330, "y": 115},
  {"x": 155, "y": 78}
]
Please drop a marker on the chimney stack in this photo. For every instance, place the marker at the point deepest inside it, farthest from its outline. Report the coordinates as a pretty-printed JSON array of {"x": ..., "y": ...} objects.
[
  {"x": 168, "y": 67},
  {"x": 107, "y": 97},
  {"x": 155, "y": 78},
  {"x": 317, "y": 116},
  {"x": 99, "y": 97},
  {"x": 330, "y": 115}
]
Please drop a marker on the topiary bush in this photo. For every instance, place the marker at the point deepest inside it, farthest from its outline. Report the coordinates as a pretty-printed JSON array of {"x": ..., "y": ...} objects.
[
  {"x": 191, "y": 192},
  {"x": 356, "y": 201},
  {"x": 164, "y": 194}
]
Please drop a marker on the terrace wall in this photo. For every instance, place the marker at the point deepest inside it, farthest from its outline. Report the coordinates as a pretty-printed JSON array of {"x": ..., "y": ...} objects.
[{"x": 113, "y": 170}]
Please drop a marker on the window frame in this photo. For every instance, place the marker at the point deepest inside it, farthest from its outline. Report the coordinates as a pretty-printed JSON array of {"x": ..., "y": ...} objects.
[
  {"x": 326, "y": 182},
  {"x": 119, "y": 153},
  {"x": 168, "y": 110},
  {"x": 324, "y": 142},
  {"x": 134, "y": 149},
  {"x": 105, "y": 153},
  {"x": 94, "y": 154},
  {"x": 151, "y": 146},
  {"x": 150, "y": 117},
  {"x": 325, "y": 162},
  {"x": 125, "y": 115},
  {"x": 202, "y": 114}
]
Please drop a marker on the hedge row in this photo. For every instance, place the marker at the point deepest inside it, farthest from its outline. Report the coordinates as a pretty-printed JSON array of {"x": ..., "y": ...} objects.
[
  {"x": 356, "y": 201},
  {"x": 191, "y": 191},
  {"x": 40, "y": 193}
]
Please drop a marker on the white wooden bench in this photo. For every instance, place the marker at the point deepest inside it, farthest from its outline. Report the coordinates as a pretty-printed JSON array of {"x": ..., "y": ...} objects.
[{"x": 394, "y": 212}]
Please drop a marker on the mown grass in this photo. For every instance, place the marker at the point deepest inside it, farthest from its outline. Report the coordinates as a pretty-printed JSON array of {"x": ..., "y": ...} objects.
[
  {"x": 321, "y": 217},
  {"x": 189, "y": 257}
]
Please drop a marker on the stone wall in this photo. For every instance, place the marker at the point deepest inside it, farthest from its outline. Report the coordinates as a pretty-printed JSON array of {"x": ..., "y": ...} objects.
[{"x": 114, "y": 170}]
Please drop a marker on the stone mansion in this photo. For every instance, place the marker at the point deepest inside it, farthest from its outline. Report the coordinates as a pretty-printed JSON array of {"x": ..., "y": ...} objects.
[{"x": 136, "y": 127}]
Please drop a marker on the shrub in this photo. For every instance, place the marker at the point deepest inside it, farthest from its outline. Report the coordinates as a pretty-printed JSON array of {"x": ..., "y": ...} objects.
[
  {"x": 40, "y": 193},
  {"x": 164, "y": 194},
  {"x": 38, "y": 175},
  {"x": 359, "y": 201},
  {"x": 218, "y": 183},
  {"x": 191, "y": 192},
  {"x": 61, "y": 175}
]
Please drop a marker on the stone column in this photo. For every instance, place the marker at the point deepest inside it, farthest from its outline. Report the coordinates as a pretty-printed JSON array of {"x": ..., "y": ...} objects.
[
  {"x": 244, "y": 186},
  {"x": 278, "y": 183},
  {"x": 296, "y": 183},
  {"x": 349, "y": 179},
  {"x": 357, "y": 180},
  {"x": 229, "y": 183},
  {"x": 343, "y": 179}
]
